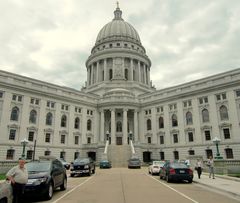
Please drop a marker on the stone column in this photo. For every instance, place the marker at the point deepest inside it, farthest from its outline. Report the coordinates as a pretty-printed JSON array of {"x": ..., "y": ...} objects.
[
  {"x": 105, "y": 70},
  {"x": 113, "y": 127},
  {"x": 88, "y": 76},
  {"x": 135, "y": 133},
  {"x": 144, "y": 74},
  {"x": 91, "y": 74},
  {"x": 125, "y": 132},
  {"x": 131, "y": 70},
  {"x": 97, "y": 72},
  {"x": 139, "y": 72},
  {"x": 102, "y": 132},
  {"x": 84, "y": 126},
  {"x": 148, "y": 71}
]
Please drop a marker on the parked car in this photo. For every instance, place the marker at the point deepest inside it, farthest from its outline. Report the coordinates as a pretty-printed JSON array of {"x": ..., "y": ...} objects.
[
  {"x": 44, "y": 176},
  {"x": 65, "y": 164},
  {"x": 155, "y": 167},
  {"x": 105, "y": 164},
  {"x": 134, "y": 163},
  {"x": 176, "y": 171},
  {"x": 82, "y": 166},
  {"x": 6, "y": 192}
]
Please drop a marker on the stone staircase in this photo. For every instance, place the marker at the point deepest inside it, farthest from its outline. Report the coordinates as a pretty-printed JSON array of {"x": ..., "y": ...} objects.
[{"x": 119, "y": 155}]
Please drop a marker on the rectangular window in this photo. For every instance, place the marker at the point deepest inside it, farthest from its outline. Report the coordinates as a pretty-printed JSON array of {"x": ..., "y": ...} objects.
[
  {"x": 1, "y": 94},
  {"x": 10, "y": 154},
  {"x": 12, "y": 134},
  {"x": 19, "y": 98},
  {"x": 14, "y": 97},
  {"x": 149, "y": 140},
  {"x": 207, "y": 135},
  {"x": 32, "y": 101},
  {"x": 76, "y": 155},
  {"x": 30, "y": 136},
  {"x": 190, "y": 136},
  {"x": 229, "y": 153},
  {"x": 62, "y": 155},
  {"x": 191, "y": 152},
  {"x": 161, "y": 139},
  {"x": 175, "y": 138},
  {"x": 47, "y": 137},
  {"x": 162, "y": 156},
  {"x": 29, "y": 154},
  {"x": 47, "y": 153},
  {"x": 89, "y": 140},
  {"x": 209, "y": 153},
  {"x": 62, "y": 139},
  {"x": 76, "y": 140},
  {"x": 226, "y": 133},
  {"x": 237, "y": 93},
  {"x": 50, "y": 104}
]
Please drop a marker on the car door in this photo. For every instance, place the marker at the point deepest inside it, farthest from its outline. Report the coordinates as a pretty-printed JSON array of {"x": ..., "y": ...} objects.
[{"x": 57, "y": 173}]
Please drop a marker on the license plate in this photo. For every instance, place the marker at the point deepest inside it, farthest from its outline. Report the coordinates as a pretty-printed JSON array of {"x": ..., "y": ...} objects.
[{"x": 181, "y": 171}]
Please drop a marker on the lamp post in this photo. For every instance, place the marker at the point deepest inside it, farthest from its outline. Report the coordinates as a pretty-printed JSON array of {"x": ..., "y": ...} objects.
[
  {"x": 216, "y": 141},
  {"x": 24, "y": 142}
]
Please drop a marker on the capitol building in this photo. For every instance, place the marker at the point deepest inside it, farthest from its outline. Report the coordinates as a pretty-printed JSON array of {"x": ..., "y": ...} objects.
[{"x": 119, "y": 104}]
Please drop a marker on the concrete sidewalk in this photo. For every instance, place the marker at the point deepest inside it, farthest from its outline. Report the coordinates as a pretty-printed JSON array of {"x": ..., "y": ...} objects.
[{"x": 221, "y": 183}]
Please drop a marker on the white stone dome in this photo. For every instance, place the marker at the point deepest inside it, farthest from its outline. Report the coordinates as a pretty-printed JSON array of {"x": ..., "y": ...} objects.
[{"x": 118, "y": 29}]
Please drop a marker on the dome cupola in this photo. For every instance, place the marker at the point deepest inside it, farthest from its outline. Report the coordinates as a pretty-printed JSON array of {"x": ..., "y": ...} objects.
[{"x": 118, "y": 29}]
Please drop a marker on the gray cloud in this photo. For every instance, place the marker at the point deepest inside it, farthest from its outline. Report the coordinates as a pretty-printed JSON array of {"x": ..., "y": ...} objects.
[{"x": 186, "y": 40}]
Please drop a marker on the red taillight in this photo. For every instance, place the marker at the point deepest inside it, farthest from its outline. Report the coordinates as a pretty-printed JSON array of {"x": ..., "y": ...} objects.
[
  {"x": 172, "y": 171},
  {"x": 190, "y": 172}
]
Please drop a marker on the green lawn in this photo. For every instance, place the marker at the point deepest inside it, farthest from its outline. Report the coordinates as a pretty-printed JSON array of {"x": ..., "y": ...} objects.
[{"x": 2, "y": 176}]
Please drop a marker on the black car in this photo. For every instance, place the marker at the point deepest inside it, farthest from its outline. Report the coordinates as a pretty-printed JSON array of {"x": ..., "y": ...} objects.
[
  {"x": 82, "y": 167},
  {"x": 176, "y": 171},
  {"x": 134, "y": 163},
  {"x": 44, "y": 176}
]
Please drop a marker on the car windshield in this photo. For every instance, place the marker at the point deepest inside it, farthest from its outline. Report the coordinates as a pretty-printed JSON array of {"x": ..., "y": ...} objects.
[
  {"x": 38, "y": 166},
  {"x": 134, "y": 160},
  {"x": 160, "y": 163},
  {"x": 81, "y": 161},
  {"x": 178, "y": 165},
  {"x": 104, "y": 161}
]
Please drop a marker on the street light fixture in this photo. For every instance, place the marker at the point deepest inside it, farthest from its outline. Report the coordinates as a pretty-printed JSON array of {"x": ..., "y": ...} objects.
[
  {"x": 216, "y": 141},
  {"x": 130, "y": 135},
  {"x": 24, "y": 142}
]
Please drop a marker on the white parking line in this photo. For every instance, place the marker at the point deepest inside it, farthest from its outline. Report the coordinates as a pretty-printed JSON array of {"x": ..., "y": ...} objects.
[
  {"x": 189, "y": 198},
  {"x": 72, "y": 190}
]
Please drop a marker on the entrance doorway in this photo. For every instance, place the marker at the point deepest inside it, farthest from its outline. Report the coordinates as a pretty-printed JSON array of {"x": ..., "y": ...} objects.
[{"x": 118, "y": 140}]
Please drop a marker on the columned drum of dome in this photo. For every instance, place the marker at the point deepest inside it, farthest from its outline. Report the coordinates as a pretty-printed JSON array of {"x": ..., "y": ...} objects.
[{"x": 118, "y": 59}]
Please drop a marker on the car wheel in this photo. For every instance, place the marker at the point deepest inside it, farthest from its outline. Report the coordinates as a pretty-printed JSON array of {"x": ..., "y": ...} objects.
[
  {"x": 93, "y": 171},
  {"x": 49, "y": 192},
  {"x": 64, "y": 184},
  {"x": 71, "y": 175},
  {"x": 190, "y": 181}
]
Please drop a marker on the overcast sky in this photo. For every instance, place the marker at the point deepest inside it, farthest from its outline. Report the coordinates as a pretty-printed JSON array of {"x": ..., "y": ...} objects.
[{"x": 186, "y": 40}]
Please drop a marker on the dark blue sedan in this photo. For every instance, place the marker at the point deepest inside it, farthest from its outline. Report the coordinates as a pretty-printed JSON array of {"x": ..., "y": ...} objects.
[{"x": 105, "y": 164}]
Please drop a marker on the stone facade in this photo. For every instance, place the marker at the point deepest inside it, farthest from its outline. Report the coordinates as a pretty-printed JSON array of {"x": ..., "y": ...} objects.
[{"x": 117, "y": 102}]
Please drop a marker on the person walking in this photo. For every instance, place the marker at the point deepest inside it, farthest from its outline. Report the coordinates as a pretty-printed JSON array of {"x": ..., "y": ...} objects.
[
  {"x": 210, "y": 164},
  {"x": 199, "y": 168},
  {"x": 18, "y": 176}
]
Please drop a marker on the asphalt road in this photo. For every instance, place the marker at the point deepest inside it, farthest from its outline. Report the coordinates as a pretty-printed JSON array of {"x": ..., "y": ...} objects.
[{"x": 122, "y": 185}]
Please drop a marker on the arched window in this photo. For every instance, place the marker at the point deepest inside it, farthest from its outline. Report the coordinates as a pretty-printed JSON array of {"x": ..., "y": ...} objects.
[
  {"x": 89, "y": 125},
  {"x": 126, "y": 74},
  {"x": 161, "y": 122},
  {"x": 205, "y": 115},
  {"x": 174, "y": 120},
  {"x": 119, "y": 126},
  {"x": 33, "y": 117},
  {"x": 77, "y": 123},
  {"x": 189, "y": 119},
  {"x": 149, "y": 124},
  {"x": 49, "y": 118},
  {"x": 64, "y": 121},
  {"x": 110, "y": 74},
  {"x": 223, "y": 113},
  {"x": 14, "y": 114}
]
